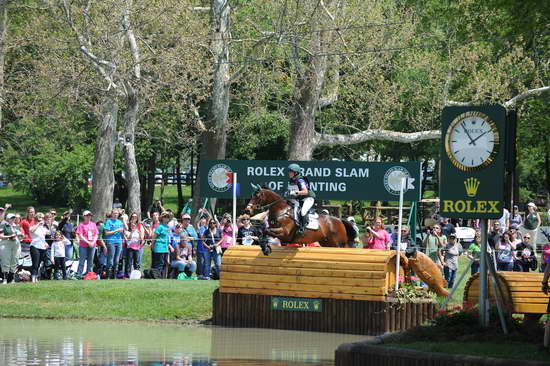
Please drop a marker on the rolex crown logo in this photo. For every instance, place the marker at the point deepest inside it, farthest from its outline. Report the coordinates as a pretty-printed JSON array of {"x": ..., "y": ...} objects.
[{"x": 471, "y": 184}]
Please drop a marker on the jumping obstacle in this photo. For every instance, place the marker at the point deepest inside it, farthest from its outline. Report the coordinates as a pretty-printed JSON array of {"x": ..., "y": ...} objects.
[
  {"x": 521, "y": 292},
  {"x": 314, "y": 289}
]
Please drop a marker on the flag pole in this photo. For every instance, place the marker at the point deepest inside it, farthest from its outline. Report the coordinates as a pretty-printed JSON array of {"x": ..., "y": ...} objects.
[
  {"x": 399, "y": 224},
  {"x": 234, "y": 208}
]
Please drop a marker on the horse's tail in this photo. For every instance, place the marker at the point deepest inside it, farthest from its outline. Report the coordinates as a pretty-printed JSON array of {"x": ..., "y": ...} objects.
[{"x": 350, "y": 231}]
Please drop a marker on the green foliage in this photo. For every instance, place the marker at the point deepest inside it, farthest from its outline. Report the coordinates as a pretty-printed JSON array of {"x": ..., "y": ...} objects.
[{"x": 52, "y": 176}]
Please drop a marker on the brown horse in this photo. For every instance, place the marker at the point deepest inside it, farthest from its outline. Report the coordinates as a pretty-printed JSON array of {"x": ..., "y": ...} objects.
[{"x": 332, "y": 231}]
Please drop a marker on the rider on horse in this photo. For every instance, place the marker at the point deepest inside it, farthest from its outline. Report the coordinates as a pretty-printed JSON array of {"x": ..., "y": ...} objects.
[{"x": 301, "y": 196}]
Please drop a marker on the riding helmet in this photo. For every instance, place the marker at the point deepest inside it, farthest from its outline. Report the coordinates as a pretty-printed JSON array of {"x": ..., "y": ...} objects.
[{"x": 295, "y": 168}]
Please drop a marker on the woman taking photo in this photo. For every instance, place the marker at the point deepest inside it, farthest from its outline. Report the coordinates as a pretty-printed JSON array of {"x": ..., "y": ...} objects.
[
  {"x": 505, "y": 253},
  {"x": 38, "y": 245}
]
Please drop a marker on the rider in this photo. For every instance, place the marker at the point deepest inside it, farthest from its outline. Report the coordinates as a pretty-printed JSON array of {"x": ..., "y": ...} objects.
[{"x": 301, "y": 195}]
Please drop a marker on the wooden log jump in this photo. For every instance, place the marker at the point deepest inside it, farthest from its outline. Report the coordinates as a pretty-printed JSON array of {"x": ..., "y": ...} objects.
[
  {"x": 317, "y": 289},
  {"x": 521, "y": 291}
]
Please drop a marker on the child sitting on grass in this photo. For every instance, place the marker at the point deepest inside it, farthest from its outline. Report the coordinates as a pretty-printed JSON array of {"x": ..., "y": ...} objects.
[{"x": 58, "y": 248}]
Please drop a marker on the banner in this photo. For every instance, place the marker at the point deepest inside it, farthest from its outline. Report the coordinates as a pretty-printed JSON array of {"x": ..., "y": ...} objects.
[{"x": 330, "y": 180}]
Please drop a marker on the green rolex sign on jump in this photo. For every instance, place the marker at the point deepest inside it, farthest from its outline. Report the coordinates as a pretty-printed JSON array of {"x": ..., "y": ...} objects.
[
  {"x": 472, "y": 162},
  {"x": 330, "y": 180}
]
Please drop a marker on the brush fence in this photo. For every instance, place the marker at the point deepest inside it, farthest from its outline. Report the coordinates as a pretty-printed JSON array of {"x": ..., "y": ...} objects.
[{"x": 314, "y": 289}]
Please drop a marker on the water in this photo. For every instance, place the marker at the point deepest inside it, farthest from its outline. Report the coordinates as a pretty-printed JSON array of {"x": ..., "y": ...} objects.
[{"x": 66, "y": 342}]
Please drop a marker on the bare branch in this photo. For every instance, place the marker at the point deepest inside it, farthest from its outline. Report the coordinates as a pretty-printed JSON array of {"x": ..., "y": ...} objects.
[
  {"x": 131, "y": 40},
  {"x": 526, "y": 94},
  {"x": 377, "y": 134}
]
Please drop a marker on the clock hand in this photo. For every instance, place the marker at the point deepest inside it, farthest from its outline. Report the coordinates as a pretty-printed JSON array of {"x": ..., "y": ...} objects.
[
  {"x": 472, "y": 141},
  {"x": 477, "y": 138}
]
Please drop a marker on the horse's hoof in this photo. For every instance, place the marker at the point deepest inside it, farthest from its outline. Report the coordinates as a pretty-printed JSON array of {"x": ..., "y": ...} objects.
[{"x": 267, "y": 250}]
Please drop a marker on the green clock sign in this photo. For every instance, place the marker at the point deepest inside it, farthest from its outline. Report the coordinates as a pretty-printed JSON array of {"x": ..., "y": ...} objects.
[{"x": 472, "y": 174}]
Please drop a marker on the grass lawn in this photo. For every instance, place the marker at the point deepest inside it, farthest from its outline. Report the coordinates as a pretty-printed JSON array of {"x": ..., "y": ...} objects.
[
  {"x": 520, "y": 351},
  {"x": 143, "y": 300}
]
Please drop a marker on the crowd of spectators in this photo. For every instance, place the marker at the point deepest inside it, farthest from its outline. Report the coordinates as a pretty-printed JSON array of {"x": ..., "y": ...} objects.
[
  {"x": 112, "y": 246},
  {"x": 511, "y": 242}
]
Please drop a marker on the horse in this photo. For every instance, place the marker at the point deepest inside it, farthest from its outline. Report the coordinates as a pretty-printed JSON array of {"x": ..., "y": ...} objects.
[{"x": 332, "y": 232}]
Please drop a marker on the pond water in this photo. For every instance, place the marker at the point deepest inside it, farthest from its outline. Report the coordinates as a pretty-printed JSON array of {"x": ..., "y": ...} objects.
[{"x": 66, "y": 342}]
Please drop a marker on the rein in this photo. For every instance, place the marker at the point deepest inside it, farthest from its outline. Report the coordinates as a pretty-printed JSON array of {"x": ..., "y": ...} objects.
[{"x": 263, "y": 208}]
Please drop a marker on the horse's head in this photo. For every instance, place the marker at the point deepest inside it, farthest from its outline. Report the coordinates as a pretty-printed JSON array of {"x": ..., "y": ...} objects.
[{"x": 257, "y": 199}]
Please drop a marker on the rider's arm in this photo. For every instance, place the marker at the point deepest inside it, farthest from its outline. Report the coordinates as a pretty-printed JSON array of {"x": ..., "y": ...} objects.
[{"x": 303, "y": 191}]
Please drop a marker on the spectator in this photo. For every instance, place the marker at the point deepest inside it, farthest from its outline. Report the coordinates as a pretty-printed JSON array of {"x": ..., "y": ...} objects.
[
  {"x": 183, "y": 257},
  {"x": 87, "y": 235},
  {"x": 211, "y": 239},
  {"x": 515, "y": 218},
  {"x": 26, "y": 224},
  {"x": 447, "y": 227},
  {"x": 406, "y": 241},
  {"x": 505, "y": 219},
  {"x": 160, "y": 245},
  {"x": 377, "y": 237},
  {"x": 101, "y": 264},
  {"x": 58, "y": 247},
  {"x": 156, "y": 207},
  {"x": 112, "y": 237},
  {"x": 227, "y": 235},
  {"x": 10, "y": 247},
  {"x": 449, "y": 257},
  {"x": 248, "y": 234},
  {"x": 117, "y": 204},
  {"x": 474, "y": 253},
  {"x": 188, "y": 229},
  {"x": 202, "y": 225},
  {"x": 494, "y": 235},
  {"x": 532, "y": 223},
  {"x": 52, "y": 228},
  {"x": 433, "y": 242},
  {"x": 134, "y": 242},
  {"x": 545, "y": 256},
  {"x": 505, "y": 253},
  {"x": 39, "y": 245},
  {"x": 172, "y": 221},
  {"x": 524, "y": 255},
  {"x": 546, "y": 290},
  {"x": 67, "y": 229}
]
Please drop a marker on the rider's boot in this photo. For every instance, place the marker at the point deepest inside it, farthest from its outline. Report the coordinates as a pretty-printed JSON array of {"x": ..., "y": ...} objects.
[{"x": 301, "y": 226}]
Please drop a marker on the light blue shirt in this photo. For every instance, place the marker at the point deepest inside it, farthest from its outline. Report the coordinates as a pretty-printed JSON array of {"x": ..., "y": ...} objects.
[{"x": 111, "y": 225}]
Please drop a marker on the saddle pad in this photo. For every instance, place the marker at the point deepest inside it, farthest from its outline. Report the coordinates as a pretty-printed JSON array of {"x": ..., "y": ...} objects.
[{"x": 313, "y": 222}]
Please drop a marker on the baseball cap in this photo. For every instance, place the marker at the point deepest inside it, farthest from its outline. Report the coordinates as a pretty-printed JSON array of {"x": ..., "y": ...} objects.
[
  {"x": 452, "y": 236},
  {"x": 2, "y": 208},
  {"x": 86, "y": 213},
  {"x": 10, "y": 216},
  {"x": 186, "y": 216},
  {"x": 351, "y": 218},
  {"x": 531, "y": 204}
]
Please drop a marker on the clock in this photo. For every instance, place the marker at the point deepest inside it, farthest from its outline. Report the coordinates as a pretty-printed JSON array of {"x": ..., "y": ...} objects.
[{"x": 472, "y": 141}]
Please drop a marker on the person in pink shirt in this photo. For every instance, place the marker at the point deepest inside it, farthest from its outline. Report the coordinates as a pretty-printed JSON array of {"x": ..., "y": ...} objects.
[
  {"x": 545, "y": 257},
  {"x": 376, "y": 237},
  {"x": 87, "y": 235},
  {"x": 227, "y": 234}
]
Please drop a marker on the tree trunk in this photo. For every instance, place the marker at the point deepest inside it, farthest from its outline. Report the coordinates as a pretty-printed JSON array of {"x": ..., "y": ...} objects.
[
  {"x": 151, "y": 172},
  {"x": 103, "y": 178},
  {"x": 130, "y": 164},
  {"x": 307, "y": 93},
  {"x": 215, "y": 137},
  {"x": 3, "y": 32},
  {"x": 179, "y": 183}
]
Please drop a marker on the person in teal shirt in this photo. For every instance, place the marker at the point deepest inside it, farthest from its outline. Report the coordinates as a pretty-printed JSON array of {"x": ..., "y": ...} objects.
[
  {"x": 113, "y": 231},
  {"x": 474, "y": 253},
  {"x": 161, "y": 248}
]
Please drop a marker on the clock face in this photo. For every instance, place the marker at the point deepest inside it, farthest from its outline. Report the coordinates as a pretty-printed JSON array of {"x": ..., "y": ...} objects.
[{"x": 472, "y": 141}]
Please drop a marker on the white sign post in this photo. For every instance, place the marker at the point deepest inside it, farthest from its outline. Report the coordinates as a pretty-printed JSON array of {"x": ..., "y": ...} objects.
[
  {"x": 234, "y": 223},
  {"x": 399, "y": 225}
]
